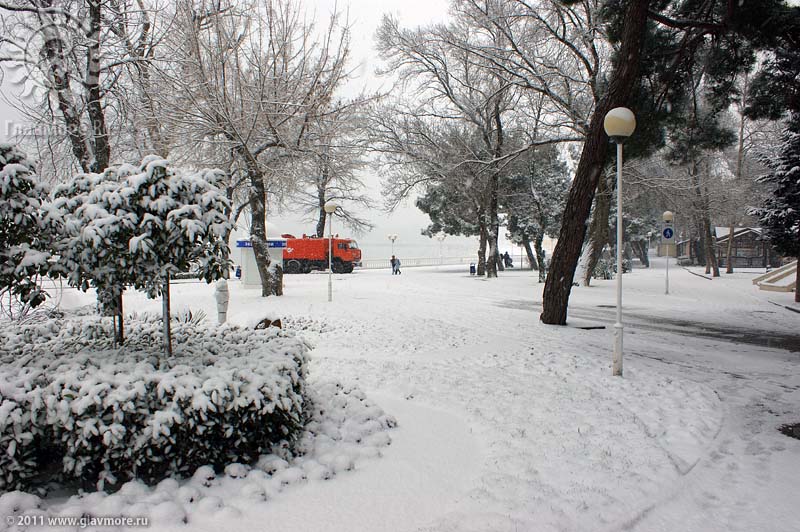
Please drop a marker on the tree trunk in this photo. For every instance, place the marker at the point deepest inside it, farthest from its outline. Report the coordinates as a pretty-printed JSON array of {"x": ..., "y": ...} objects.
[
  {"x": 598, "y": 230},
  {"x": 482, "y": 249},
  {"x": 493, "y": 230},
  {"x": 321, "y": 197},
  {"x": 711, "y": 250},
  {"x": 711, "y": 256},
  {"x": 643, "y": 252},
  {"x": 729, "y": 253},
  {"x": 323, "y": 218},
  {"x": 526, "y": 243},
  {"x": 119, "y": 333},
  {"x": 94, "y": 106},
  {"x": 165, "y": 316},
  {"x": 59, "y": 79},
  {"x": 555, "y": 298},
  {"x": 739, "y": 171},
  {"x": 540, "y": 257},
  {"x": 271, "y": 281},
  {"x": 797, "y": 283}
]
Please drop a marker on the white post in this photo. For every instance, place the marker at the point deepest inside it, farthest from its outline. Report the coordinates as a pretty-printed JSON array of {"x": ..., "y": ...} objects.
[
  {"x": 619, "y": 124},
  {"x": 330, "y": 257},
  {"x": 666, "y": 292},
  {"x": 222, "y": 296},
  {"x": 617, "y": 360}
]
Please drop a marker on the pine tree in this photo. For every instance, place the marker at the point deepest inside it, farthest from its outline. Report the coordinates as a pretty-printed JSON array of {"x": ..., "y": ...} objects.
[
  {"x": 534, "y": 197},
  {"x": 780, "y": 215}
]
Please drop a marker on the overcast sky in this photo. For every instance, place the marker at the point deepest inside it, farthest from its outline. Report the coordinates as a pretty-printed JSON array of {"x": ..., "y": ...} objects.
[{"x": 407, "y": 221}]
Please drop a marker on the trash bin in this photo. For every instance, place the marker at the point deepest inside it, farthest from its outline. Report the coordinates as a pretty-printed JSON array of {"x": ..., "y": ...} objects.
[{"x": 472, "y": 268}]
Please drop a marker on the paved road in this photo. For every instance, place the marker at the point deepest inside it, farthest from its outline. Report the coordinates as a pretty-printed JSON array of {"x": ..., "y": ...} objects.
[{"x": 604, "y": 316}]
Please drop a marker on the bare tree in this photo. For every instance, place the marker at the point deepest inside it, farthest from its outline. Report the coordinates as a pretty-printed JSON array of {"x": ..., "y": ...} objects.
[
  {"x": 71, "y": 62},
  {"x": 332, "y": 168},
  {"x": 452, "y": 76},
  {"x": 252, "y": 79}
]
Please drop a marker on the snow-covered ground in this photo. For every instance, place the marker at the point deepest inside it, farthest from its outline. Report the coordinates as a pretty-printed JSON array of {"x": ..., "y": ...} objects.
[{"x": 506, "y": 424}]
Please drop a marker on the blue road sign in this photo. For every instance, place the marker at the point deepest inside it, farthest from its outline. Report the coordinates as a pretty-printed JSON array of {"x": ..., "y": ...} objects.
[{"x": 668, "y": 233}]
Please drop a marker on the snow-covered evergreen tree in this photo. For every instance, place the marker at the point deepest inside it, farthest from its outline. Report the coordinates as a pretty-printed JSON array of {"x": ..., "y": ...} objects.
[
  {"x": 98, "y": 223},
  {"x": 138, "y": 226},
  {"x": 780, "y": 214},
  {"x": 25, "y": 235},
  {"x": 534, "y": 197},
  {"x": 182, "y": 227}
]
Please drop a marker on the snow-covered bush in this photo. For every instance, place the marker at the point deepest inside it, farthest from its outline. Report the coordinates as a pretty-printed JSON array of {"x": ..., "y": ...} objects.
[
  {"x": 77, "y": 409},
  {"x": 98, "y": 225},
  {"x": 182, "y": 226},
  {"x": 25, "y": 235},
  {"x": 138, "y": 225}
]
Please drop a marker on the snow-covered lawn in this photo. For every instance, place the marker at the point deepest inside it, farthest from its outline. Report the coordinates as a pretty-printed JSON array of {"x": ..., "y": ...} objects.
[{"x": 507, "y": 424}]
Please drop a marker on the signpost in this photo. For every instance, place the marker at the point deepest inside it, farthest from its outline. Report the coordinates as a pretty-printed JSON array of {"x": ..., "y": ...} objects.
[{"x": 668, "y": 238}]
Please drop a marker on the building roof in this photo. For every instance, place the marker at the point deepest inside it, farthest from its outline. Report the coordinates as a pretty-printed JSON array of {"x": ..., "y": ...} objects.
[{"x": 722, "y": 232}]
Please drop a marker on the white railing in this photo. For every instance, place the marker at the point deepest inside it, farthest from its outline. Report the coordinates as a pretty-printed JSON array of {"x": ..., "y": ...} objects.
[{"x": 376, "y": 264}]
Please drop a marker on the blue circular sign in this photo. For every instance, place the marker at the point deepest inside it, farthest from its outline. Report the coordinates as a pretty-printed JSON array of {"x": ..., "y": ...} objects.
[{"x": 668, "y": 233}]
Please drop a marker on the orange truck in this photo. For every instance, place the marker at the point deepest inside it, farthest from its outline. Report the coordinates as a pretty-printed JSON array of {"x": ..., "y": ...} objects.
[{"x": 302, "y": 255}]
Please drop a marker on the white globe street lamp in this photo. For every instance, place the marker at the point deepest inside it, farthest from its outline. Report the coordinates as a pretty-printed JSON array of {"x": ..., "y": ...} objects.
[
  {"x": 440, "y": 237},
  {"x": 392, "y": 238},
  {"x": 619, "y": 124},
  {"x": 668, "y": 217},
  {"x": 330, "y": 208}
]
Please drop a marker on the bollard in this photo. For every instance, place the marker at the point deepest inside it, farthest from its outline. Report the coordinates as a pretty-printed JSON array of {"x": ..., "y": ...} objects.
[{"x": 222, "y": 296}]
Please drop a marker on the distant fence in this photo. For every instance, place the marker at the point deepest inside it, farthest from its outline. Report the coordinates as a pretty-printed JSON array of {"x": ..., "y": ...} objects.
[{"x": 376, "y": 264}]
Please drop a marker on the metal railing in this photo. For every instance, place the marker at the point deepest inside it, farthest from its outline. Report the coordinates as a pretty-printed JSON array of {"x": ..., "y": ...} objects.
[{"x": 377, "y": 264}]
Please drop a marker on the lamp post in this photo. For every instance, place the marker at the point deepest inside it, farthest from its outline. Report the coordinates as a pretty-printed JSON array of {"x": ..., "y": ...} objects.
[
  {"x": 392, "y": 238},
  {"x": 668, "y": 217},
  {"x": 440, "y": 237},
  {"x": 619, "y": 124},
  {"x": 330, "y": 208}
]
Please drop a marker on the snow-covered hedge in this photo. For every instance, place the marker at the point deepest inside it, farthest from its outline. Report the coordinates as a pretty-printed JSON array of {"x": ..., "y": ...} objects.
[
  {"x": 344, "y": 432},
  {"x": 77, "y": 409}
]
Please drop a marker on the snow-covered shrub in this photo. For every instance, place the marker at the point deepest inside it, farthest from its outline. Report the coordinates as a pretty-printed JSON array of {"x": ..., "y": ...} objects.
[
  {"x": 139, "y": 225},
  {"x": 77, "y": 409},
  {"x": 182, "y": 224},
  {"x": 25, "y": 235},
  {"x": 98, "y": 225}
]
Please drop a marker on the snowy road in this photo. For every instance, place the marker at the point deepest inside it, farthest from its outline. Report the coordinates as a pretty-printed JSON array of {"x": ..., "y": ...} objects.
[{"x": 506, "y": 424}]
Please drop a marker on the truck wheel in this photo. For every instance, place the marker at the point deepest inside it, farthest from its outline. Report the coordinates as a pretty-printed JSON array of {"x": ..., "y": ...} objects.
[
  {"x": 293, "y": 266},
  {"x": 338, "y": 267},
  {"x": 348, "y": 267}
]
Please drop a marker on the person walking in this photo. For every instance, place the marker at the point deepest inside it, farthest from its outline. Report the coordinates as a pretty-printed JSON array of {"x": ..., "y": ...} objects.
[{"x": 395, "y": 263}]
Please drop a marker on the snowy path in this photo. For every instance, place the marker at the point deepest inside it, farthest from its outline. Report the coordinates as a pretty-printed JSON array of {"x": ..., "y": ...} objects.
[
  {"x": 406, "y": 486},
  {"x": 506, "y": 424}
]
